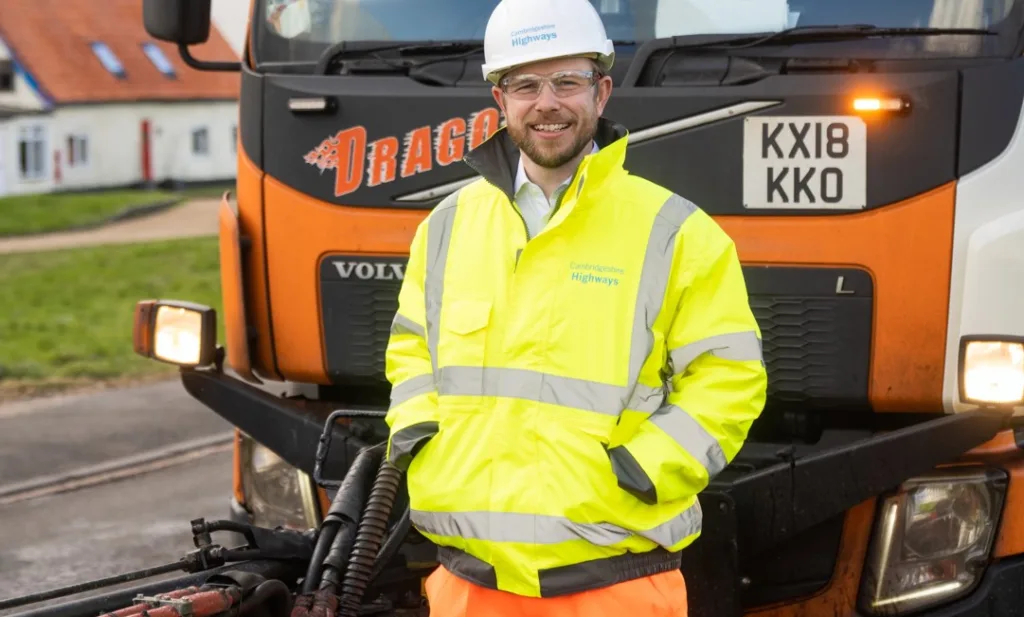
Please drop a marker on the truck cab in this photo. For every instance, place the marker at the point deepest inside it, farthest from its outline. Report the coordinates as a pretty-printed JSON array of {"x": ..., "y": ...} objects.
[{"x": 864, "y": 156}]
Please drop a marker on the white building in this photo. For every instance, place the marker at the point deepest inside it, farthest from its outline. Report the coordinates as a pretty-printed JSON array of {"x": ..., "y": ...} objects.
[{"x": 89, "y": 100}]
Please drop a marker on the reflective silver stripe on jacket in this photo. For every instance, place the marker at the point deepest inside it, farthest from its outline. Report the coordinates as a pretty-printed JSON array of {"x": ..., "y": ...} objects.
[
  {"x": 403, "y": 325},
  {"x": 545, "y": 529},
  {"x": 739, "y": 346}
]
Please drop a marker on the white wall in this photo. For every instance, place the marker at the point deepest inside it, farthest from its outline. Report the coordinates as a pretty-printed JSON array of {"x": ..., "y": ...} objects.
[
  {"x": 113, "y": 145},
  {"x": 24, "y": 96}
]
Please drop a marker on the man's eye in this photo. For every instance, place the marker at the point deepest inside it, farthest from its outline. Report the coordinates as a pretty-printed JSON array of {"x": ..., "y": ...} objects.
[{"x": 525, "y": 86}]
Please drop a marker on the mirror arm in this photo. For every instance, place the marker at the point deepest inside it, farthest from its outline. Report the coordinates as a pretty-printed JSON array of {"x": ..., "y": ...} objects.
[{"x": 203, "y": 65}]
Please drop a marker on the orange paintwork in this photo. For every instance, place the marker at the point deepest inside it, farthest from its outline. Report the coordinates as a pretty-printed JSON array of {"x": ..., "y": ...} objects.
[
  {"x": 840, "y": 595},
  {"x": 906, "y": 248},
  {"x": 236, "y": 469},
  {"x": 301, "y": 230},
  {"x": 250, "y": 218},
  {"x": 1002, "y": 446},
  {"x": 232, "y": 292},
  {"x": 325, "y": 502}
]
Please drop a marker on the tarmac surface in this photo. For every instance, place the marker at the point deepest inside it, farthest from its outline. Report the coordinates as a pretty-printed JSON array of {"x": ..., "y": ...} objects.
[
  {"x": 135, "y": 519},
  {"x": 108, "y": 529}
]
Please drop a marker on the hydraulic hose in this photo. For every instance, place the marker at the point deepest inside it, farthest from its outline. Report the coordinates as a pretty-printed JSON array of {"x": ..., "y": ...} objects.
[
  {"x": 372, "y": 528},
  {"x": 391, "y": 544},
  {"x": 337, "y": 531},
  {"x": 271, "y": 598}
]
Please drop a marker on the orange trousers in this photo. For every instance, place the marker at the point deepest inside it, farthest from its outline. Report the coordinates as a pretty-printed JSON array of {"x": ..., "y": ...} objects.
[{"x": 660, "y": 595}]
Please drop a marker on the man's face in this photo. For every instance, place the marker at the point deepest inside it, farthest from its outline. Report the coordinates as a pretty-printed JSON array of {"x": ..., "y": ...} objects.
[{"x": 551, "y": 129}]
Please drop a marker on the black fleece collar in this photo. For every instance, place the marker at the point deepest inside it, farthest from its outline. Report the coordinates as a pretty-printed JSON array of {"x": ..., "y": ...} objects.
[{"x": 498, "y": 158}]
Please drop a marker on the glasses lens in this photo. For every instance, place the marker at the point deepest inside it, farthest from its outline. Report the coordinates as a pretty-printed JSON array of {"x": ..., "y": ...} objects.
[{"x": 566, "y": 83}]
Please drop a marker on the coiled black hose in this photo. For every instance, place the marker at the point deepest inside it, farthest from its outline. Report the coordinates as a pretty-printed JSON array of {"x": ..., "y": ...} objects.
[
  {"x": 373, "y": 527},
  {"x": 392, "y": 543}
]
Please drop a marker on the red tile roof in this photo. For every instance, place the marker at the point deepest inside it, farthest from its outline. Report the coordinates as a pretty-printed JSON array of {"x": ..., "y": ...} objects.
[{"x": 51, "y": 39}]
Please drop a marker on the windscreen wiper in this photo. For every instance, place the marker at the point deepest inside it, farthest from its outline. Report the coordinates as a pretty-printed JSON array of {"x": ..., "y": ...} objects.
[
  {"x": 808, "y": 34},
  {"x": 349, "y": 50}
]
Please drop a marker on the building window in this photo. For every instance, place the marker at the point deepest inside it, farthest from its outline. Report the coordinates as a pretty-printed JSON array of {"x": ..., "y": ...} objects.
[
  {"x": 31, "y": 152},
  {"x": 200, "y": 141},
  {"x": 108, "y": 59},
  {"x": 78, "y": 152},
  {"x": 159, "y": 60},
  {"x": 6, "y": 76}
]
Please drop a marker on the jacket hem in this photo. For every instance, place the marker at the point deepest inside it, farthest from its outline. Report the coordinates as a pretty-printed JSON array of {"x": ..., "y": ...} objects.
[{"x": 570, "y": 579}]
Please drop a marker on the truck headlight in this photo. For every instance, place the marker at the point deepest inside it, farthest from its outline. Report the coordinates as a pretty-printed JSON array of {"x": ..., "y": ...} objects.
[
  {"x": 175, "y": 332},
  {"x": 275, "y": 492},
  {"x": 991, "y": 371},
  {"x": 932, "y": 540}
]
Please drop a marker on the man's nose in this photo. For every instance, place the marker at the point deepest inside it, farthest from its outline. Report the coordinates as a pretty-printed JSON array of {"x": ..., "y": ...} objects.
[{"x": 547, "y": 100}]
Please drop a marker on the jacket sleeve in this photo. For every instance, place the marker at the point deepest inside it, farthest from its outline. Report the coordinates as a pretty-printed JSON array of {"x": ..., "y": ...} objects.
[
  {"x": 412, "y": 415},
  {"x": 716, "y": 379}
]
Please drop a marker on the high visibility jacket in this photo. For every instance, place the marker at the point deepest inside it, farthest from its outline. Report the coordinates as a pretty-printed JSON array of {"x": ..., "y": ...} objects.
[{"x": 559, "y": 401}]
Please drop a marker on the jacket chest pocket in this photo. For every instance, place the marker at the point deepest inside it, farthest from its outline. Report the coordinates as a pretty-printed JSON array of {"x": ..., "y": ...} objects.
[{"x": 463, "y": 331}]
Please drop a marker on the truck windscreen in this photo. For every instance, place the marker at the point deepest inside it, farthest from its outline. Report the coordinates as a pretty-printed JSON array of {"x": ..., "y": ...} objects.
[{"x": 300, "y": 30}]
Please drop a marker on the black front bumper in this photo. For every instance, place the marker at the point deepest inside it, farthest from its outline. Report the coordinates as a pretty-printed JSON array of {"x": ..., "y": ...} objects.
[
  {"x": 290, "y": 427},
  {"x": 746, "y": 512}
]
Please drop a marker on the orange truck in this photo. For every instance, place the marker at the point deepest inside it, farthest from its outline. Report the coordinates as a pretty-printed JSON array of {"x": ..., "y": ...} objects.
[{"x": 865, "y": 156}]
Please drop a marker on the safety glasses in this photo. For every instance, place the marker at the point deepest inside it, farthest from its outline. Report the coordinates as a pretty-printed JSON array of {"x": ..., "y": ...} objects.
[{"x": 527, "y": 87}]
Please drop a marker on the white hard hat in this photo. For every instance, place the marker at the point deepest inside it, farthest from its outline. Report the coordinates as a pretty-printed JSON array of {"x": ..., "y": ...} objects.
[{"x": 523, "y": 31}]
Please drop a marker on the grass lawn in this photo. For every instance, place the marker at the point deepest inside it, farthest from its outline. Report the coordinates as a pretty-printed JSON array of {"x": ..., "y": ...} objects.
[
  {"x": 66, "y": 316},
  {"x": 23, "y": 214}
]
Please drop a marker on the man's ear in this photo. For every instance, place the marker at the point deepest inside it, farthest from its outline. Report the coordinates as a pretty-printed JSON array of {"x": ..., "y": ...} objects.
[
  {"x": 602, "y": 92},
  {"x": 499, "y": 98}
]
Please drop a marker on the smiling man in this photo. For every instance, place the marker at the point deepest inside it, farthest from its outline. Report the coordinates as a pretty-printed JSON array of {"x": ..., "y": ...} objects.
[{"x": 574, "y": 356}]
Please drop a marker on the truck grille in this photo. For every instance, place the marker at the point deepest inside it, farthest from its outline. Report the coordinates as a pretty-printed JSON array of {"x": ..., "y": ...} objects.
[
  {"x": 358, "y": 304},
  {"x": 816, "y": 342}
]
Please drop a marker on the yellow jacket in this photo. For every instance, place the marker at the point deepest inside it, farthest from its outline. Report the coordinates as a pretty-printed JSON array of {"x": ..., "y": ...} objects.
[{"x": 558, "y": 402}]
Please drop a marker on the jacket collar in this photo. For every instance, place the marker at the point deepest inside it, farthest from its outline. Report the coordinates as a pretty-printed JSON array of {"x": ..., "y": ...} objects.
[{"x": 497, "y": 158}]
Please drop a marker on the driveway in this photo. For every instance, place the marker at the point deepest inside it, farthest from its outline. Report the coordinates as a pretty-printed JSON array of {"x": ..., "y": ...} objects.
[{"x": 196, "y": 217}]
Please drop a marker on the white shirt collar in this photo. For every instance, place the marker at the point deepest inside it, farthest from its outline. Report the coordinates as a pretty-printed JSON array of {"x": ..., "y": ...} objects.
[{"x": 522, "y": 179}]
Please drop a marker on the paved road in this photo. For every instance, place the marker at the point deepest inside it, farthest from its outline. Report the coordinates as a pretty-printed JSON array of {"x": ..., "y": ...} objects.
[
  {"x": 105, "y": 530},
  {"x": 41, "y": 437},
  {"x": 197, "y": 217}
]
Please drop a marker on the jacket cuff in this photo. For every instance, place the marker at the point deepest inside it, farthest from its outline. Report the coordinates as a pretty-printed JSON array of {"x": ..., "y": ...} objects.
[
  {"x": 631, "y": 476},
  {"x": 406, "y": 442}
]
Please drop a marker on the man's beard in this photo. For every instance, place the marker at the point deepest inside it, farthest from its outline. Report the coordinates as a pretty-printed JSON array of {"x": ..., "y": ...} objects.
[{"x": 521, "y": 137}]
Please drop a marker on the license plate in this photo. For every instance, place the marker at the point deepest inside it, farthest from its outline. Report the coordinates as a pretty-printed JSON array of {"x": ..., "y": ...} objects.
[{"x": 805, "y": 162}]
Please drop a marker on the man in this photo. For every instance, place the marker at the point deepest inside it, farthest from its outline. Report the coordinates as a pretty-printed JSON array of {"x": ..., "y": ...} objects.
[{"x": 573, "y": 356}]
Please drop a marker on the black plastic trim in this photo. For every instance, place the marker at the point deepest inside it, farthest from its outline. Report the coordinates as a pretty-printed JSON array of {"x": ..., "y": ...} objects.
[
  {"x": 988, "y": 120},
  {"x": 291, "y": 428},
  {"x": 250, "y": 124}
]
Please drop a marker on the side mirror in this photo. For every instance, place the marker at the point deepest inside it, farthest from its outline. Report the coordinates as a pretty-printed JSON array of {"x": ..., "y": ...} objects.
[{"x": 184, "y": 22}]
